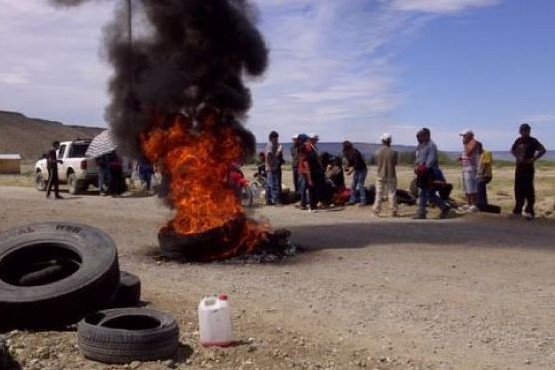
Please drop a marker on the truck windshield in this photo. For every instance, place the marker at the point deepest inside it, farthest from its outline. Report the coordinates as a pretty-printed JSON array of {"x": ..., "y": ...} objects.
[{"x": 78, "y": 150}]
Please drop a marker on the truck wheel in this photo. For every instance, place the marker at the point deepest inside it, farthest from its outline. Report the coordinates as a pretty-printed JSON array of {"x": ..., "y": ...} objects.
[
  {"x": 123, "y": 335},
  {"x": 40, "y": 182},
  {"x": 53, "y": 274},
  {"x": 73, "y": 185}
]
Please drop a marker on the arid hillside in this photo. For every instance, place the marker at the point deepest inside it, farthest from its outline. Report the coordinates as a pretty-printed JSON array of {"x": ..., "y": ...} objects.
[{"x": 31, "y": 137}]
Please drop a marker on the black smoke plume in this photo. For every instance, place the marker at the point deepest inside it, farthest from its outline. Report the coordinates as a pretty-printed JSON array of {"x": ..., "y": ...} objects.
[{"x": 185, "y": 56}]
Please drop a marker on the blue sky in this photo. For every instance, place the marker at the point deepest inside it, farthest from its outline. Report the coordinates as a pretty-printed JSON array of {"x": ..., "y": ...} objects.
[{"x": 349, "y": 69}]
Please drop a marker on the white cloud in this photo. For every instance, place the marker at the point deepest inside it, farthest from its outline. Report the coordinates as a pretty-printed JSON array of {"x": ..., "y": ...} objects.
[
  {"x": 17, "y": 77},
  {"x": 332, "y": 64},
  {"x": 439, "y": 6},
  {"x": 50, "y": 66}
]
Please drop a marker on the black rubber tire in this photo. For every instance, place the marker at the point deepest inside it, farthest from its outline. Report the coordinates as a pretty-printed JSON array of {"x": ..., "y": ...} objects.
[
  {"x": 90, "y": 278},
  {"x": 128, "y": 293},
  {"x": 123, "y": 335}
]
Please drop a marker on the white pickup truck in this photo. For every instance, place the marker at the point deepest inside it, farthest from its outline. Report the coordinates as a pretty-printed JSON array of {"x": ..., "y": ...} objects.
[{"x": 75, "y": 170}]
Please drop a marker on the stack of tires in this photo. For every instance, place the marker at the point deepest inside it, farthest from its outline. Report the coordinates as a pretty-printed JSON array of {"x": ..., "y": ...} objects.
[{"x": 57, "y": 274}]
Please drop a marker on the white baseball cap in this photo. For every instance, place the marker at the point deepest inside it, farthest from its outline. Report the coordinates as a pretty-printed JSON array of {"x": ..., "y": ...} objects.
[
  {"x": 296, "y": 136},
  {"x": 385, "y": 136},
  {"x": 466, "y": 131}
]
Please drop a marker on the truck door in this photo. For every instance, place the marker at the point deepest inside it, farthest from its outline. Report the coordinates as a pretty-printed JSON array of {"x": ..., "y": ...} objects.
[{"x": 62, "y": 166}]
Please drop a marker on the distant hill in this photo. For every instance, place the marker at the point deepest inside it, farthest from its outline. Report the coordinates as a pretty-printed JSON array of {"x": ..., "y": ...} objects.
[{"x": 31, "y": 137}]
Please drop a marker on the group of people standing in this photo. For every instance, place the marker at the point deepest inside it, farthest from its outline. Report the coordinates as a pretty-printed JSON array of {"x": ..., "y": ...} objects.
[
  {"x": 110, "y": 174},
  {"x": 319, "y": 178}
]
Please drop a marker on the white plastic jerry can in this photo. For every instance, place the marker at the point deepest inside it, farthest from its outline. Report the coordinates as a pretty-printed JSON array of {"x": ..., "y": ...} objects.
[{"x": 214, "y": 321}]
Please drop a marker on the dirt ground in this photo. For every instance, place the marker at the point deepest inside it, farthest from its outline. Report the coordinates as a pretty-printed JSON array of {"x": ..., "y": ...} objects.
[{"x": 473, "y": 292}]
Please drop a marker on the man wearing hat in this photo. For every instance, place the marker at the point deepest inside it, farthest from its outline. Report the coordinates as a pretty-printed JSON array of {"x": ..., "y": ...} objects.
[
  {"x": 386, "y": 160},
  {"x": 526, "y": 150},
  {"x": 469, "y": 161}
]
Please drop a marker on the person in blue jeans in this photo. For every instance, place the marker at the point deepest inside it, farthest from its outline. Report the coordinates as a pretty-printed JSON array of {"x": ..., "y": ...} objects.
[
  {"x": 104, "y": 174},
  {"x": 427, "y": 166},
  {"x": 358, "y": 168},
  {"x": 274, "y": 156}
]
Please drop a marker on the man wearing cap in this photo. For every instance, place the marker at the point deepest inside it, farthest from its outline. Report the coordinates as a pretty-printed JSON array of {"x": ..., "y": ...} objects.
[
  {"x": 526, "y": 149},
  {"x": 358, "y": 168},
  {"x": 469, "y": 161},
  {"x": 386, "y": 160},
  {"x": 427, "y": 166}
]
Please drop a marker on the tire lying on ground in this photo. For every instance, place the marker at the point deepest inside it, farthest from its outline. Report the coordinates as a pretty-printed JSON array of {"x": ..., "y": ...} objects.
[
  {"x": 53, "y": 274},
  {"x": 128, "y": 293},
  {"x": 123, "y": 335}
]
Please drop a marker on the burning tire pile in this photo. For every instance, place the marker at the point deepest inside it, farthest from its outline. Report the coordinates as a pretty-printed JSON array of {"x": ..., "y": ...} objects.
[{"x": 53, "y": 275}]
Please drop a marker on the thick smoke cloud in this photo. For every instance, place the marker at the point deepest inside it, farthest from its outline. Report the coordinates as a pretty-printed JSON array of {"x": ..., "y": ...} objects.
[
  {"x": 192, "y": 53},
  {"x": 68, "y": 2}
]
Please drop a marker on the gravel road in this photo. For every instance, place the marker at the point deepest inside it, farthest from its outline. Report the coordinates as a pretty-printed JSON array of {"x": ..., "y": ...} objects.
[{"x": 476, "y": 292}]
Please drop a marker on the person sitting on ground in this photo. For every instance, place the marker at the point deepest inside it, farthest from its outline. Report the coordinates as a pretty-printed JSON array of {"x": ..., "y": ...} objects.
[
  {"x": 441, "y": 186},
  {"x": 260, "y": 174},
  {"x": 341, "y": 194}
]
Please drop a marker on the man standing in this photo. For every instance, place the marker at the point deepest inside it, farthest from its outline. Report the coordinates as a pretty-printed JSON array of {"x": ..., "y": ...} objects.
[
  {"x": 295, "y": 161},
  {"x": 386, "y": 160},
  {"x": 427, "y": 166},
  {"x": 273, "y": 169},
  {"x": 469, "y": 161},
  {"x": 104, "y": 175},
  {"x": 314, "y": 172},
  {"x": 526, "y": 150},
  {"x": 357, "y": 167},
  {"x": 483, "y": 176},
  {"x": 52, "y": 166}
]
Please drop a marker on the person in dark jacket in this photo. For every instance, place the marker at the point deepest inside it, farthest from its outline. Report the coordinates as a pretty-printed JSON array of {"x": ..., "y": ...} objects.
[
  {"x": 526, "y": 150},
  {"x": 52, "y": 166},
  {"x": 357, "y": 167}
]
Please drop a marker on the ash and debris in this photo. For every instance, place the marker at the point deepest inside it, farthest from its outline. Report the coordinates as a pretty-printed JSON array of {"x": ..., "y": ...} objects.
[{"x": 277, "y": 247}]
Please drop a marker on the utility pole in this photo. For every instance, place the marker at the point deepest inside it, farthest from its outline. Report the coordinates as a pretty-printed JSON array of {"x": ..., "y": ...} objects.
[
  {"x": 130, "y": 44},
  {"x": 129, "y": 23}
]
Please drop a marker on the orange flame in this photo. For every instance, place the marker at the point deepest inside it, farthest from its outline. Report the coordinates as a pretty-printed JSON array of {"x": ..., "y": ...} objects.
[{"x": 198, "y": 162}]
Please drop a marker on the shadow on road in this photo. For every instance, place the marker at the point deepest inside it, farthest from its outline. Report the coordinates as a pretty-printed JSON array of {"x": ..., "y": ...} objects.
[{"x": 517, "y": 234}]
